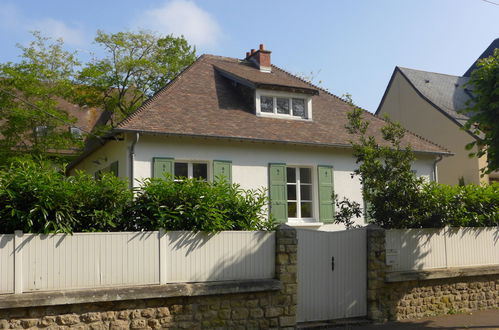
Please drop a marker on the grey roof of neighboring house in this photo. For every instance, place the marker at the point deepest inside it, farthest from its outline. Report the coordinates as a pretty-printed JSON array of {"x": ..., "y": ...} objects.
[
  {"x": 448, "y": 93},
  {"x": 488, "y": 52}
]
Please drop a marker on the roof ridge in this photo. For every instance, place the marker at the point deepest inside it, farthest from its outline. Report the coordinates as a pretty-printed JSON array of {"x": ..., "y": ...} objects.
[
  {"x": 443, "y": 74},
  {"x": 159, "y": 92}
]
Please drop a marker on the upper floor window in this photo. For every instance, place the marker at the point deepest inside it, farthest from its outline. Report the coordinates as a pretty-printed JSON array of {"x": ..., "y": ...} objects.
[
  {"x": 41, "y": 131},
  {"x": 284, "y": 105},
  {"x": 76, "y": 132}
]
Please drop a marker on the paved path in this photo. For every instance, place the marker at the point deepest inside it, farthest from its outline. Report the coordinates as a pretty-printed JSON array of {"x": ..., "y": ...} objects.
[{"x": 477, "y": 320}]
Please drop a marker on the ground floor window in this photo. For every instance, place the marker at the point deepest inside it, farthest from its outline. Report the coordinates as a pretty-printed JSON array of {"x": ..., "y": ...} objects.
[
  {"x": 191, "y": 170},
  {"x": 299, "y": 192}
]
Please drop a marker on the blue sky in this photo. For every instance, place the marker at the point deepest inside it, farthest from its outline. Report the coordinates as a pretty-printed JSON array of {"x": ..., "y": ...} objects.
[{"x": 349, "y": 45}]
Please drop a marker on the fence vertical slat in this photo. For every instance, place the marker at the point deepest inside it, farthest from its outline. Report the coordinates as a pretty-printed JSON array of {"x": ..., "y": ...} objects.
[
  {"x": 18, "y": 262},
  {"x": 162, "y": 257}
]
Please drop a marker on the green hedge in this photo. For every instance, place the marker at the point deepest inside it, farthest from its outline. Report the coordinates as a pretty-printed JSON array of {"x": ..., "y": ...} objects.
[
  {"x": 36, "y": 197},
  {"x": 192, "y": 204}
]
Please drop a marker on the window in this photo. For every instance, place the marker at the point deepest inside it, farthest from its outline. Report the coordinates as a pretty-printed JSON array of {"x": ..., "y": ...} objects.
[
  {"x": 191, "y": 170},
  {"x": 285, "y": 106},
  {"x": 299, "y": 191},
  {"x": 76, "y": 132},
  {"x": 41, "y": 131}
]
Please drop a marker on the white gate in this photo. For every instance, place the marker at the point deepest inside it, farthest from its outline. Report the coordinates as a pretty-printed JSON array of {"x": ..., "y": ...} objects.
[{"x": 332, "y": 274}]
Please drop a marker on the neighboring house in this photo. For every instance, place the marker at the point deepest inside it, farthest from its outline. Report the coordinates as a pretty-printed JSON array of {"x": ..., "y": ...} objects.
[
  {"x": 429, "y": 105},
  {"x": 257, "y": 125},
  {"x": 83, "y": 119}
]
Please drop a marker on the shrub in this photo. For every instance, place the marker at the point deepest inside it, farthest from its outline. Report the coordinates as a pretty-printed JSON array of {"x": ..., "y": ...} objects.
[
  {"x": 196, "y": 205},
  {"x": 397, "y": 198},
  {"x": 35, "y": 197}
]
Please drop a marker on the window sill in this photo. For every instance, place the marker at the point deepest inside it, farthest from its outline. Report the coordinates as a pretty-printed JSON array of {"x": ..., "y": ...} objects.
[
  {"x": 304, "y": 224},
  {"x": 281, "y": 116}
]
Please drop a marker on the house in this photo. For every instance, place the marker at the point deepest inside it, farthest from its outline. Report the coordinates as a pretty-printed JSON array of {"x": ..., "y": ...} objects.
[
  {"x": 429, "y": 104},
  {"x": 257, "y": 125},
  {"x": 82, "y": 119}
]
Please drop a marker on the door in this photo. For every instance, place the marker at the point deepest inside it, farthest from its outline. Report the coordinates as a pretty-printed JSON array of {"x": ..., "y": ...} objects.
[{"x": 332, "y": 274}]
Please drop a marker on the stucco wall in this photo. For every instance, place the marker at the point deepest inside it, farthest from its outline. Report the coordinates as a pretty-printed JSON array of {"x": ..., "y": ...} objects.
[
  {"x": 111, "y": 151},
  {"x": 403, "y": 104},
  {"x": 250, "y": 162}
]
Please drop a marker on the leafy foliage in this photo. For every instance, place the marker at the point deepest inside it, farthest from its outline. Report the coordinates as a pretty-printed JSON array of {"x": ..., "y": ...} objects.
[
  {"x": 136, "y": 65},
  {"x": 36, "y": 197},
  {"x": 397, "y": 198},
  {"x": 29, "y": 91},
  {"x": 484, "y": 111},
  {"x": 197, "y": 205}
]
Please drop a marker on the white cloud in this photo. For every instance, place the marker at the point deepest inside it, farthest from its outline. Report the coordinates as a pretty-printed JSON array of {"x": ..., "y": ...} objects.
[
  {"x": 182, "y": 17},
  {"x": 58, "y": 29},
  {"x": 13, "y": 21}
]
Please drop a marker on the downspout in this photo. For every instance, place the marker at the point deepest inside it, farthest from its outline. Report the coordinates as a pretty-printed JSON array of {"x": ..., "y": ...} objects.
[
  {"x": 435, "y": 172},
  {"x": 132, "y": 157}
]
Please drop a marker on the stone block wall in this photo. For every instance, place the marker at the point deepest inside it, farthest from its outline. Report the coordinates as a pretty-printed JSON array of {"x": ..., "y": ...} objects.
[
  {"x": 419, "y": 298},
  {"x": 250, "y": 310}
]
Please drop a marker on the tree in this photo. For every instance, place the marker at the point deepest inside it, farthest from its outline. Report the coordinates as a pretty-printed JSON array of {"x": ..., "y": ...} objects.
[
  {"x": 29, "y": 91},
  {"x": 136, "y": 66},
  {"x": 483, "y": 110},
  {"x": 389, "y": 185}
]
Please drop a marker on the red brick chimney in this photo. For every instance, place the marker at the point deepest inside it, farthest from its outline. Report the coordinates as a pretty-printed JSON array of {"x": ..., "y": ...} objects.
[{"x": 261, "y": 58}]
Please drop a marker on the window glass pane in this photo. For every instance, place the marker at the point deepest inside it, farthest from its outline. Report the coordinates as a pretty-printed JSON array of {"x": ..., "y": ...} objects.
[
  {"x": 305, "y": 175},
  {"x": 306, "y": 209},
  {"x": 266, "y": 104},
  {"x": 181, "y": 169},
  {"x": 291, "y": 209},
  {"x": 291, "y": 192},
  {"x": 200, "y": 171},
  {"x": 305, "y": 193},
  {"x": 291, "y": 174},
  {"x": 282, "y": 105},
  {"x": 299, "y": 108}
]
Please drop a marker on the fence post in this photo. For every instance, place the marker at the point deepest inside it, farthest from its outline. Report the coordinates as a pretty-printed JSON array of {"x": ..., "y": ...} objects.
[
  {"x": 162, "y": 256},
  {"x": 18, "y": 262}
]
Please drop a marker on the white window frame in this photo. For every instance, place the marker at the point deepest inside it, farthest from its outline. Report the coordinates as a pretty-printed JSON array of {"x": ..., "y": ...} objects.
[
  {"x": 278, "y": 94},
  {"x": 190, "y": 168},
  {"x": 298, "y": 200}
]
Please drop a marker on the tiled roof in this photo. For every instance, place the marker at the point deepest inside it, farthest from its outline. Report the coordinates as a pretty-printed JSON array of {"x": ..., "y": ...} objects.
[
  {"x": 447, "y": 92},
  {"x": 486, "y": 53},
  {"x": 202, "y": 101}
]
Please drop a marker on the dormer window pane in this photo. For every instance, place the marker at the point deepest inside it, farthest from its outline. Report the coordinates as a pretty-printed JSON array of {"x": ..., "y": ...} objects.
[
  {"x": 267, "y": 104},
  {"x": 299, "y": 108},
  {"x": 282, "y": 105}
]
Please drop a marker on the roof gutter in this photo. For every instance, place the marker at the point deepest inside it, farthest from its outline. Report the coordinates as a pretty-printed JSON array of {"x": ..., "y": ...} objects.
[{"x": 334, "y": 145}]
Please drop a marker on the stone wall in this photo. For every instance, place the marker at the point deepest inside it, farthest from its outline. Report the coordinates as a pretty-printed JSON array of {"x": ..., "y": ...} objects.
[
  {"x": 390, "y": 299},
  {"x": 195, "y": 310}
]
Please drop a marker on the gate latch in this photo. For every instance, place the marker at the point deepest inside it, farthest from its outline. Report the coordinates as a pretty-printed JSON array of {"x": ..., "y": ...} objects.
[{"x": 332, "y": 264}]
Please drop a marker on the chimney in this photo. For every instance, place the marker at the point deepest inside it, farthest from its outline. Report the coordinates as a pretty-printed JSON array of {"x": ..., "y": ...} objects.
[{"x": 261, "y": 58}]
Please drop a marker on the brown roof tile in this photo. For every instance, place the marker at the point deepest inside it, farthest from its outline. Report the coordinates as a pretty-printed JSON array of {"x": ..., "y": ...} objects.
[{"x": 203, "y": 102}]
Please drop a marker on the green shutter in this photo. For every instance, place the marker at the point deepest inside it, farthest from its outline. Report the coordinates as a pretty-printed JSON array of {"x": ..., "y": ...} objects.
[
  {"x": 222, "y": 169},
  {"x": 278, "y": 192},
  {"x": 326, "y": 191},
  {"x": 114, "y": 168},
  {"x": 162, "y": 167}
]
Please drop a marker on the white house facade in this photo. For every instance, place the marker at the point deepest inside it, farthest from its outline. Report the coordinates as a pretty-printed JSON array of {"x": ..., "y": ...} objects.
[{"x": 259, "y": 131}]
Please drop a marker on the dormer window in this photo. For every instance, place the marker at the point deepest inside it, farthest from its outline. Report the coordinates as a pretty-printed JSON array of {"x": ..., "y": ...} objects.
[{"x": 283, "y": 105}]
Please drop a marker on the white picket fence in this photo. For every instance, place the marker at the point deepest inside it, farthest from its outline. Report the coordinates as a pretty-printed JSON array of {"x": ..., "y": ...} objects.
[
  {"x": 30, "y": 262},
  {"x": 420, "y": 249}
]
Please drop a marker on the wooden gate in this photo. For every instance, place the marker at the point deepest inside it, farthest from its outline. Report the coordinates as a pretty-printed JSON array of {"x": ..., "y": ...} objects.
[{"x": 332, "y": 274}]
